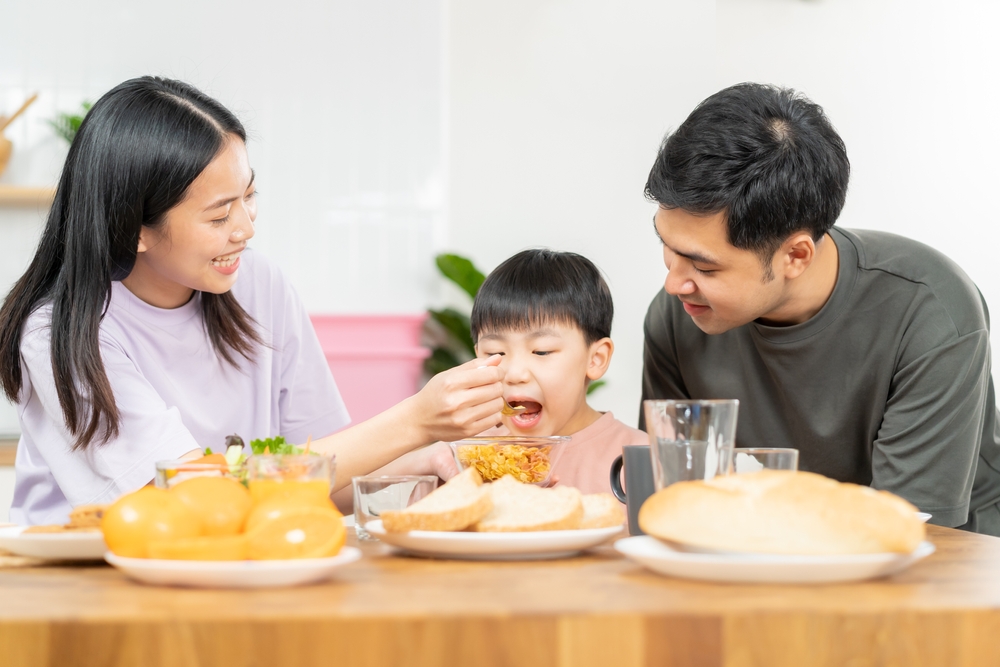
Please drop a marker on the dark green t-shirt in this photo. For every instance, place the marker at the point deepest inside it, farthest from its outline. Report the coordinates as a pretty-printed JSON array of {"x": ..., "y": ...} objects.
[{"x": 888, "y": 385}]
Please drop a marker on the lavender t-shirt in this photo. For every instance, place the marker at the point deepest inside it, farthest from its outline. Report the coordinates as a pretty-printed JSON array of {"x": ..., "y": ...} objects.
[{"x": 174, "y": 393}]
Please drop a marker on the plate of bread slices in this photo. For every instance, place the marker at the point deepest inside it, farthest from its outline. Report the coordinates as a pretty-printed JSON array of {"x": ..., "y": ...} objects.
[
  {"x": 777, "y": 526},
  {"x": 503, "y": 520},
  {"x": 79, "y": 538}
]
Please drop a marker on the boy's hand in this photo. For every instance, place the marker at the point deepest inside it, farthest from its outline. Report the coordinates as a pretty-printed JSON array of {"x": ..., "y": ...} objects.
[{"x": 461, "y": 401}]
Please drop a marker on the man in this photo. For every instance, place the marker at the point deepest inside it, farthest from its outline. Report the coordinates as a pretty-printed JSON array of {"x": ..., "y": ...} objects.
[{"x": 867, "y": 352}]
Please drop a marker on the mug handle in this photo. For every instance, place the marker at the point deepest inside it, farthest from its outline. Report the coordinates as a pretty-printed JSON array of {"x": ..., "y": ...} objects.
[{"x": 616, "y": 479}]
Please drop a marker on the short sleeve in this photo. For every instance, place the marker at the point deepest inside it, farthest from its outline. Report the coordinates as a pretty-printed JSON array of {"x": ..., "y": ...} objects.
[{"x": 928, "y": 445}]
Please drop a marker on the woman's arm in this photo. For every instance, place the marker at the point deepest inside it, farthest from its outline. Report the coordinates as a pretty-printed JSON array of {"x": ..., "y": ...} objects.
[{"x": 458, "y": 403}]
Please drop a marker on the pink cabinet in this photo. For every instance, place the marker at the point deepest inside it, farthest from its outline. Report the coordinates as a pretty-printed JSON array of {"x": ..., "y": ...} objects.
[{"x": 376, "y": 360}]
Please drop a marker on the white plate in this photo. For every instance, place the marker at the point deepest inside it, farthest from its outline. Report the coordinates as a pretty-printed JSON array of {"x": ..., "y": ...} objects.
[
  {"x": 54, "y": 546},
  {"x": 494, "y": 546},
  {"x": 233, "y": 574},
  {"x": 765, "y": 568}
]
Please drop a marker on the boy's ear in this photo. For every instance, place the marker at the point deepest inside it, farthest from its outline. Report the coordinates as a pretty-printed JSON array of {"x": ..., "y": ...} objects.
[{"x": 600, "y": 358}]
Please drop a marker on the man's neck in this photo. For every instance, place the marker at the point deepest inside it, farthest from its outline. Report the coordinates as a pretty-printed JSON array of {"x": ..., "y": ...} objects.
[{"x": 809, "y": 292}]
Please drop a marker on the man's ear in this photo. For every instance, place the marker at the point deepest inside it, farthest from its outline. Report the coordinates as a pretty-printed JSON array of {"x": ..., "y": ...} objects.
[
  {"x": 600, "y": 358},
  {"x": 795, "y": 255}
]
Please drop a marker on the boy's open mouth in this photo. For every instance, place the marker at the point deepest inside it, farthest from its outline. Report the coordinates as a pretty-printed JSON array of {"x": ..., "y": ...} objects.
[{"x": 529, "y": 417}]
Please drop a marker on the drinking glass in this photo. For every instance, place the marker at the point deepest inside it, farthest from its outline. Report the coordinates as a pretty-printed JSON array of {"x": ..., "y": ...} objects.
[
  {"x": 374, "y": 494},
  {"x": 272, "y": 473},
  {"x": 690, "y": 440},
  {"x": 752, "y": 459}
]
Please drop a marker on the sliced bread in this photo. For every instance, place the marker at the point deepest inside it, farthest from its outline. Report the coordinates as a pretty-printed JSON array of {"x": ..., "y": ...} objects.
[
  {"x": 521, "y": 507},
  {"x": 601, "y": 510},
  {"x": 459, "y": 503}
]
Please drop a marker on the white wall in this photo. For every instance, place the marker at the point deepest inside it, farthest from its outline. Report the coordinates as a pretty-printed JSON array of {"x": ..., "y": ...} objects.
[
  {"x": 385, "y": 130},
  {"x": 912, "y": 86},
  {"x": 557, "y": 108},
  {"x": 556, "y": 111},
  {"x": 342, "y": 100}
]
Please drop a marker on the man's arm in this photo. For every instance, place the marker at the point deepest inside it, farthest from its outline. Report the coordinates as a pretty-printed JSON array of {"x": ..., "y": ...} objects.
[{"x": 927, "y": 447}]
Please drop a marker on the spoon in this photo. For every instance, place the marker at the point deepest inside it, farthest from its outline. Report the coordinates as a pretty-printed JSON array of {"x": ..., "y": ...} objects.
[{"x": 509, "y": 410}]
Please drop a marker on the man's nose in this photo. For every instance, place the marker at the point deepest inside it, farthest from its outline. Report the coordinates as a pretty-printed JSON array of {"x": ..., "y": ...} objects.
[{"x": 678, "y": 283}]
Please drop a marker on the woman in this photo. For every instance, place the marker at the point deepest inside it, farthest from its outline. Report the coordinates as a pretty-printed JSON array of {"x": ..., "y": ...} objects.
[{"x": 130, "y": 340}]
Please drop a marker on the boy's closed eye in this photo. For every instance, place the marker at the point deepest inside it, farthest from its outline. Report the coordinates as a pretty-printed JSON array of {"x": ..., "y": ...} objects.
[{"x": 542, "y": 353}]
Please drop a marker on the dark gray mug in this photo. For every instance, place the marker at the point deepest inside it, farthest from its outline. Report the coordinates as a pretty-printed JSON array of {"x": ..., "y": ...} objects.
[{"x": 638, "y": 482}]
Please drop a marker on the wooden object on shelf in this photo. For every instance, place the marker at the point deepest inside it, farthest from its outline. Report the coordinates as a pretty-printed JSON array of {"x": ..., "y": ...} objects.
[
  {"x": 592, "y": 611},
  {"x": 21, "y": 195},
  {"x": 5, "y": 146}
]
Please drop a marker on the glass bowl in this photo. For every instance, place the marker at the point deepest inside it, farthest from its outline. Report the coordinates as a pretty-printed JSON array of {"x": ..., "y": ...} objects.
[
  {"x": 169, "y": 473},
  {"x": 528, "y": 459},
  {"x": 273, "y": 473}
]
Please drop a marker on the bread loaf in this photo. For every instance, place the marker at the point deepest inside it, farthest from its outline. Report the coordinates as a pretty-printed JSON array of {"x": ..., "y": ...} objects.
[
  {"x": 460, "y": 502},
  {"x": 601, "y": 510},
  {"x": 521, "y": 507},
  {"x": 782, "y": 512}
]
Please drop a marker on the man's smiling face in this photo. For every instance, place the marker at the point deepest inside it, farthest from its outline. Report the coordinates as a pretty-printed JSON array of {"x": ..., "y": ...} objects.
[{"x": 722, "y": 287}]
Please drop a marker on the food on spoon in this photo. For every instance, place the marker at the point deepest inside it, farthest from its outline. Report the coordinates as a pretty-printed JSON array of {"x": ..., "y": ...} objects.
[
  {"x": 493, "y": 461},
  {"x": 782, "y": 512},
  {"x": 457, "y": 504},
  {"x": 221, "y": 503},
  {"x": 147, "y": 515},
  {"x": 521, "y": 507},
  {"x": 601, "y": 510}
]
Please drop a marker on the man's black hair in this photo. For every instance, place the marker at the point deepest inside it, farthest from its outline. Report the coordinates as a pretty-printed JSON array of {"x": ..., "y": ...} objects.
[
  {"x": 538, "y": 286},
  {"x": 766, "y": 156}
]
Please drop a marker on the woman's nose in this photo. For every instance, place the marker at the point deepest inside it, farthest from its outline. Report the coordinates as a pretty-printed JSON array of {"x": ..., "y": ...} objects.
[{"x": 243, "y": 230}]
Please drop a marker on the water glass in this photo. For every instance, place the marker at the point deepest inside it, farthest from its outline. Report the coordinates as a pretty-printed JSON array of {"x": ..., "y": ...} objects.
[
  {"x": 690, "y": 440},
  {"x": 752, "y": 459},
  {"x": 374, "y": 494}
]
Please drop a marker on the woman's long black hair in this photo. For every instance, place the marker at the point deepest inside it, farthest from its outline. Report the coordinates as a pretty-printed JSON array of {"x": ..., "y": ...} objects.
[{"x": 137, "y": 151}]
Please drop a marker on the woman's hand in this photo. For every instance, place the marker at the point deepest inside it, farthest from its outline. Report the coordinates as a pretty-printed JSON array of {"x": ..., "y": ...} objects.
[{"x": 461, "y": 401}]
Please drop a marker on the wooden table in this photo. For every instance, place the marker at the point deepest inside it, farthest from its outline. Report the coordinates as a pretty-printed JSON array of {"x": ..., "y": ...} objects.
[{"x": 594, "y": 610}]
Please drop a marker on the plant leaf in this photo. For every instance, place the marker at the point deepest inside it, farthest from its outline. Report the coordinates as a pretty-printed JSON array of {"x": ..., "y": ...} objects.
[
  {"x": 440, "y": 360},
  {"x": 594, "y": 386},
  {"x": 461, "y": 271},
  {"x": 457, "y": 325}
]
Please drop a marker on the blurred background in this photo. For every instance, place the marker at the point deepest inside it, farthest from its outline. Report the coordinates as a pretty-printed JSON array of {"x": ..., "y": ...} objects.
[{"x": 386, "y": 131}]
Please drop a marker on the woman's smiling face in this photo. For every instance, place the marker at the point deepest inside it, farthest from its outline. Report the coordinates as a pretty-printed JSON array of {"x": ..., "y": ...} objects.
[
  {"x": 547, "y": 368},
  {"x": 198, "y": 245}
]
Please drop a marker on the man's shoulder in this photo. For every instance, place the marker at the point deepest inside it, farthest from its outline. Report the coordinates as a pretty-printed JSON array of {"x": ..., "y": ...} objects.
[
  {"x": 893, "y": 262},
  {"x": 904, "y": 258}
]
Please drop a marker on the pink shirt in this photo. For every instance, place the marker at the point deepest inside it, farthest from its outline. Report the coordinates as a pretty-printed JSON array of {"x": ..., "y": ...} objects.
[
  {"x": 586, "y": 463},
  {"x": 174, "y": 393}
]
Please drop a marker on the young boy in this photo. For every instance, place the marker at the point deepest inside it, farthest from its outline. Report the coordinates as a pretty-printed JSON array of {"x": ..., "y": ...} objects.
[{"x": 549, "y": 315}]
